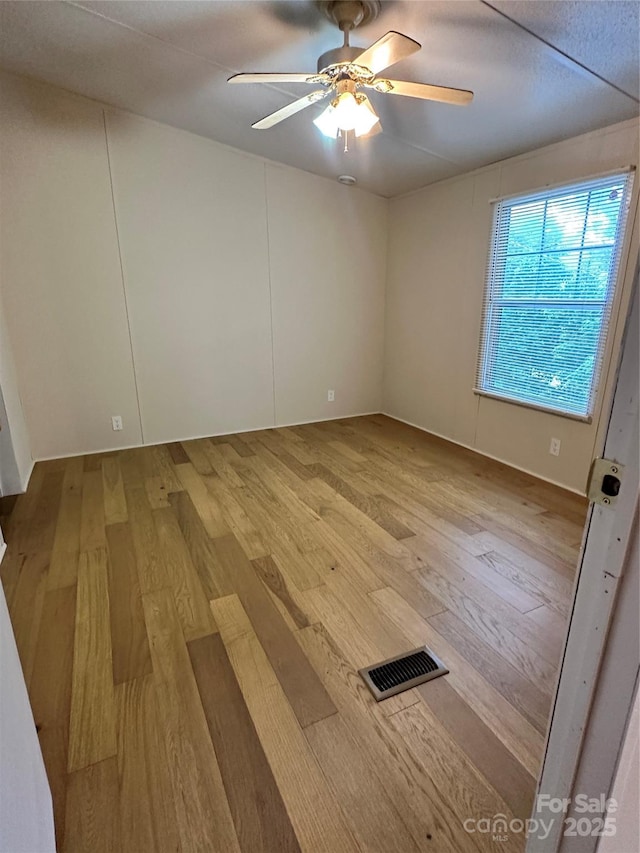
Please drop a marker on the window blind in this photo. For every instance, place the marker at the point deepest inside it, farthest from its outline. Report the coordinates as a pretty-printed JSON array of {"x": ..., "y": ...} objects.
[{"x": 551, "y": 276}]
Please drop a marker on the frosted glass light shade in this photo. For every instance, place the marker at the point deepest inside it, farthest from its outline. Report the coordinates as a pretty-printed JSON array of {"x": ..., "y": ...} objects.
[{"x": 347, "y": 112}]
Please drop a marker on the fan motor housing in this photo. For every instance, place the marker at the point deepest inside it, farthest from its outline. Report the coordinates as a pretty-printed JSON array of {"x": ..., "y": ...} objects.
[
  {"x": 338, "y": 56},
  {"x": 349, "y": 14}
]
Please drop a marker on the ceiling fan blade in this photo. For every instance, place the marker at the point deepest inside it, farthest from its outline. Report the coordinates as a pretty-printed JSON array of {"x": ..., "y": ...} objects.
[
  {"x": 388, "y": 50},
  {"x": 277, "y": 78},
  {"x": 289, "y": 110},
  {"x": 461, "y": 97}
]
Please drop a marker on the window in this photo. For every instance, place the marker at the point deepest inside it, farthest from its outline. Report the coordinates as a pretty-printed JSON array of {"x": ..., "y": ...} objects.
[{"x": 551, "y": 279}]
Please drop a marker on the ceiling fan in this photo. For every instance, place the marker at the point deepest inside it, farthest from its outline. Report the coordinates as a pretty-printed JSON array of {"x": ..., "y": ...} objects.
[{"x": 344, "y": 71}]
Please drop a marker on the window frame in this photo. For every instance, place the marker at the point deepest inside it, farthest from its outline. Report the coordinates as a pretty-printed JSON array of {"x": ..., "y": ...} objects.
[{"x": 620, "y": 250}]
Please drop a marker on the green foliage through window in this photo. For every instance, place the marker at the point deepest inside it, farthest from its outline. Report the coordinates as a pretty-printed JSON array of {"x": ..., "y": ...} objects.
[{"x": 552, "y": 272}]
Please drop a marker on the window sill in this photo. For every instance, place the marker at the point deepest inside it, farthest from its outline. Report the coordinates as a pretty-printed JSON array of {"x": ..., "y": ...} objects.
[{"x": 585, "y": 419}]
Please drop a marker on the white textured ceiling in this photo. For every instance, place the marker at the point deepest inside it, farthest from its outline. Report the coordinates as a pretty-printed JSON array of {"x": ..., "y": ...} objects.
[{"x": 541, "y": 71}]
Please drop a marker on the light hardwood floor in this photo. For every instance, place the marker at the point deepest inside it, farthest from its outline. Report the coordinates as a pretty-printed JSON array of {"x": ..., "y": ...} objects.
[{"x": 191, "y": 617}]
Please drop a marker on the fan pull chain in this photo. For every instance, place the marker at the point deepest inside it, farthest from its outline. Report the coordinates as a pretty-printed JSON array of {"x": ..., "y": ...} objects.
[{"x": 346, "y": 141}]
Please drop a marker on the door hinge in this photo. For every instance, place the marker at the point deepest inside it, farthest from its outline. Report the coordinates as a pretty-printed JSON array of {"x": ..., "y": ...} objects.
[{"x": 605, "y": 480}]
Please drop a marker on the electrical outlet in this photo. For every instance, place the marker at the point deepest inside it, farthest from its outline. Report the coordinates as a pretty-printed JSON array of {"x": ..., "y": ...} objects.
[
  {"x": 554, "y": 447},
  {"x": 116, "y": 423},
  {"x": 331, "y": 395}
]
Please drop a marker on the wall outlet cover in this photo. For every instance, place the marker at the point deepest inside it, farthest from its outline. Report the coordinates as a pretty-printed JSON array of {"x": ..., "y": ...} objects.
[{"x": 116, "y": 423}]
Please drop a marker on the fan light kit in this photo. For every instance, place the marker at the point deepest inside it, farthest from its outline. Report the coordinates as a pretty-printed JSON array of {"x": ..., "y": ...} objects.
[
  {"x": 349, "y": 111},
  {"x": 342, "y": 72}
]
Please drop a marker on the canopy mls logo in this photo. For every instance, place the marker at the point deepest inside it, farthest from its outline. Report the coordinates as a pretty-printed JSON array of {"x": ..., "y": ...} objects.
[
  {"x": 591, "y": 817},
  {"x": 500, "y": 827}
]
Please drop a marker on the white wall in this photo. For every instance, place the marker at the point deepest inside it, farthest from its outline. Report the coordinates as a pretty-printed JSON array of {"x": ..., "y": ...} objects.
[
  {"x": 193, "y": 235},
  {"x": 328, "y": 248},
  {"x": 60, "y": 273},
  {"x": 219, "y": 291},
  {"x": 438, "y": 244},
  {"x": 26, "y": 812}
]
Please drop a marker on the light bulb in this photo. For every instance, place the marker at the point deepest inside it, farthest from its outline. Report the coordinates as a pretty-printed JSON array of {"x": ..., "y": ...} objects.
[{"x": 347, "y": 112}]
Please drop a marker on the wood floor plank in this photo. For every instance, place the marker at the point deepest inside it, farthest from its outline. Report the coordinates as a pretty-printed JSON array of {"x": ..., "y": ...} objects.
[
  {"x": 132, "y": 466},
  {"x": 50, "y": 693},
  {"x": 63, "y": 568},
  {"x": 314, "y": 813},
  {"x": 191, "y": 602},
  {"x": 160, "y": 464},
  {"x": 197, "y": 456},
  {"x": 516, "y": 537},
  {"x": 546, "y": 584},
  {"x": 281, "y": 538},
  {"x": 385, "y": 567},
  {"x": 152, "y": 573},
  {"x": 272, "y": 483},
  {"x": 489, "y": 628},
  {"x": 206, "y": 505},
  {"x": 43, "y": 523},
  {"x": 93, "y": 461},
  {"x": 294, "y": 474},
  {"x": 203, "y": 818},
  {"x": 17, "y": 531},
  {"x": 92, "y": 523},
  {"x": 93, "y": 817},
  {"x": 533, "y": 703},
  {"x": 290, "y": 506},
  {"x": 347, "y": 559},
  {"x": 505, "y": 614},
  {"x": 303, "y": 688},
  {"x": 267, "y": 570},
  {"x": 423, "y": 518},
  {"x": 488, "y": 494},
  {"x": 259, "y": 814},
  {"x": 237, "y": 519},
  {"x": 440, "y": 553},
  {"x": 369, "y": 812},
  {"x": 157, "y": 494},
  {"x": 214, "y": 582},
  {"x": 560, "y": 529},
  {"x": 147, "y": 813},
  {"x": 240, "y": 446},
  {"x": 551, "y": 623},
  {"x": 372, "y": 542},
  {"x": 130, "y": 646},
  {"x": 115, "y": 504},
  {"x": 446, "y": 764},
  {"x": 26, "y": 606},
  {"x": 280, "y": 448},
  {"x": 371, "y": 507},
  {"x": 92, "y": 728},
  {"x": 177, "y": 453},
  {"x": 221, "y": 465},
  {"x": 568, "y": 505},
  {"x": 489, "y": 755}
]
